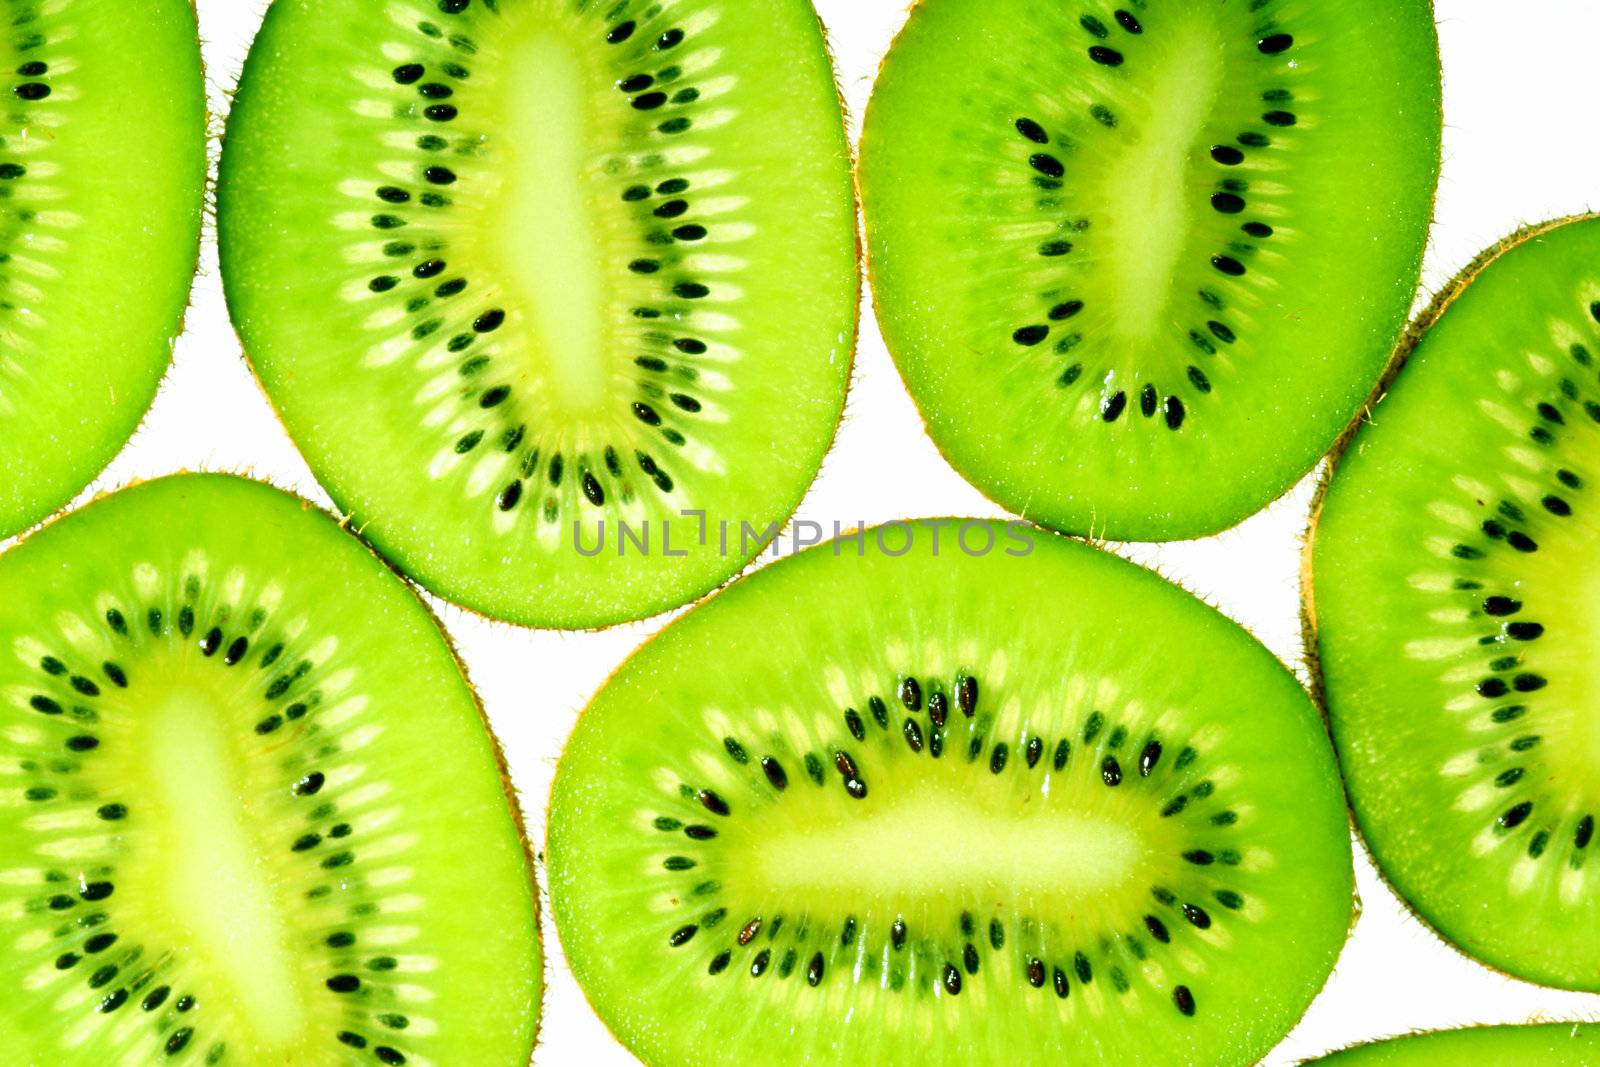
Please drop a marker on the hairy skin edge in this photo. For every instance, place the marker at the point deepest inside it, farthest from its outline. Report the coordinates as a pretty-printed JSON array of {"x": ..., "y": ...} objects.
[
  {"x": 507, "y": 787},
  {"x": 1414, "y": 334},
  {"x": 1533, "y": 1024}
]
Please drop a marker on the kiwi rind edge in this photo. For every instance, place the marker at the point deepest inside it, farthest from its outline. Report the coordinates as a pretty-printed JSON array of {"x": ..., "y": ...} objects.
[
  {"x": 1414, "y": 333},
  {"x": 1534, "y": 1021}
]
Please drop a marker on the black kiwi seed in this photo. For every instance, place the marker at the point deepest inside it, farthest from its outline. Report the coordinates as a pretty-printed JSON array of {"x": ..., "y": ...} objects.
[
  {"x": 1033, "y": 752},
  {"x": 967, "y": 695},
  {"x": 1059, "y": 980},
  {"x": 938, "y": 709},
  {"x": 1516, "y": 816},
  {"x": 1149, "y": 758},
  {"x": 1183, "y": 999},
  {"x": 853, "y": 723},
  {"x": 713, "y": 803},
  {"x": 913, "y": 735},
  {"x": 1032, "y": 131},
  {"x": 1111, "y": 771},
  {"x": 1277, "y": 42},
  {"x": 911, "y": 694},
  {"x": 1035, "y": 973},
  {"x": 814, "y": 971},
  {"x": 897, "y": 934},
  {"x": 775, "y": 772}
]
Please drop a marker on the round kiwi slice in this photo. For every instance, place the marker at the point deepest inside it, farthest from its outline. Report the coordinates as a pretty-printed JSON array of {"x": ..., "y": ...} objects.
[
  {"x": 249, "y": 813},
  {"x": 947, "y": 808},
  {"x": 1450, "y": 601},
  {"x": 102, "y": 169},
  {"x": 1551, "y": 1045},
  {"x": 1140, "y": 262},
  {"x": 557, "y": 298}
]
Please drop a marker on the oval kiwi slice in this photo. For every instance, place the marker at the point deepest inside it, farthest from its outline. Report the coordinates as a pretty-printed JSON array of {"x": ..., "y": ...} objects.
[
  {"x": 1141, "y": 262},
  {"x": 546, "y": 291},
  {"x": 249, "y": 813},
  {"x": 892, "y": 803},
  {"x": 1451, "y": 602},
  {"x": 102, "y": 167},
  {"x": 1553, "y": 1045}
]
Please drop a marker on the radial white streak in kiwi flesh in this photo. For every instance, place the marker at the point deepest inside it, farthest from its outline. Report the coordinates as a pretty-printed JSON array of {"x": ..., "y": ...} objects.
[
  {"x": 215, "y": 874},
  {"x": 546, "y": 229},
  {"x": 1149, "y": 193},
  {"x": 1051, "y": 853}
]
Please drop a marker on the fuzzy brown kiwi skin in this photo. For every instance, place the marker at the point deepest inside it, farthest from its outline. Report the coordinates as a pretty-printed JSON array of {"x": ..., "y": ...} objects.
[
  {"x": 1419, "y": 327},
  {"x": 347, "y": 519},
  {"x": 507, "y": 786}
]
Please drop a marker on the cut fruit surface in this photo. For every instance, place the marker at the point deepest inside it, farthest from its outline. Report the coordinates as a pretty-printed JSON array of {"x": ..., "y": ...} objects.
[
  {"x": 1140, "y": 264},
  {"x": 546, "y": 291},
  {"x": 102, "y": 167},
  {"x": 1452, "y": 598},
  {"x": 1554, "y": 1045},
  {"x": 244, "y": 793},
  {"x": 916, "y": 806}
]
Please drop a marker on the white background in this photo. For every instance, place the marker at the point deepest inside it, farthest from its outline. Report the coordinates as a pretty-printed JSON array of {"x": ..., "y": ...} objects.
[{"x": 1522, "y": 85}]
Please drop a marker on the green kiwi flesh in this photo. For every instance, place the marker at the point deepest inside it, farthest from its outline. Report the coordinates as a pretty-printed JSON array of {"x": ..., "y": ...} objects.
[
  {"x": 1452, "y": 604},
  {"x": 102, "y": 171},
  {"x": 249, "y": 812},
  {"x": 557, "y": 297},
  {"x": 1141, "y": 261},
  {"x": 1551, "y": 1045},
  {"x": 1035, "y": 805}
]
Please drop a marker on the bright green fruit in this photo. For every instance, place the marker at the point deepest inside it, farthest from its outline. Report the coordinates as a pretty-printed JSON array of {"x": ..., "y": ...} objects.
[
  {"x": 102, "y": 167},
  {"x": 1141, "y": 262},
  {"x": 920, "y": 807},
  {"x": 513, "y": 269},
  {"x": 1453, "y": 603},
  {"x": 1555, "y": 1045},
  {"x": 249, "y": 812}
]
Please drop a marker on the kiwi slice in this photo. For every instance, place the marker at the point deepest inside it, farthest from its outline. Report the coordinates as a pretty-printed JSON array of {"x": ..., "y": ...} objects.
[
  {"x": 102, "y": 168},
  {"x": 249, "y": 813},
  {"x": 1138, "y": 261},
  {"x": 1551, "y": 1045},
  {"x": 557, "y": 297},
  {"x": 1450, "y": 602},
  {"x": 1030, "y": 804}
]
